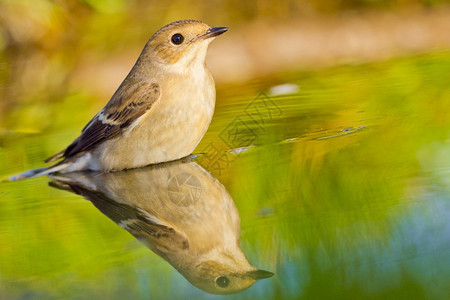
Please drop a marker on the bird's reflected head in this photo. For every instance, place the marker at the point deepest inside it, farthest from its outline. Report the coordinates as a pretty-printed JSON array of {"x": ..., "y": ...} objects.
[{"x": 217, "y": 278}]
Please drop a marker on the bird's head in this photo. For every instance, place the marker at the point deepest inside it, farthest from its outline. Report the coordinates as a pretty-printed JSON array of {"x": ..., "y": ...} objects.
[
  {"x": 218, "y": 278},
  {"x": 182, "y": 42}
]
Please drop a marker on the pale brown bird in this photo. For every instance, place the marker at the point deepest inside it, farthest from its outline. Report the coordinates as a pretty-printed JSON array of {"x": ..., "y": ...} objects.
[
  {"x": 159, "y": 113},
  {"x": 181, "y": 212}
]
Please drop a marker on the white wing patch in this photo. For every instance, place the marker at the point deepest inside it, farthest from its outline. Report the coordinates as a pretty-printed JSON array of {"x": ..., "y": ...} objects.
[
  {"x": 101, "y": 117},
  {"x": 151, "y": 218}
]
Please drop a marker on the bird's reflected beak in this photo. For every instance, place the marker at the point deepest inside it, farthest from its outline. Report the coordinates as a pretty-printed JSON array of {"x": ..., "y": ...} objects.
[
  {"x": 259, "y": 274},
  {"x": 213, "y": 32}
]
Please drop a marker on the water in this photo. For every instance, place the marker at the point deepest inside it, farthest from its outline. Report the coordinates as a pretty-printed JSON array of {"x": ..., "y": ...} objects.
[{"x": 341, "y": 181}]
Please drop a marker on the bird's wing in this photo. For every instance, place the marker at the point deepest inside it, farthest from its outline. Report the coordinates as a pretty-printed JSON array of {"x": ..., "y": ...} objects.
[
  {"x": 140, "y": 223},
  {"x": 163, "y": 238},
  {"x": 121, "y": 114}
]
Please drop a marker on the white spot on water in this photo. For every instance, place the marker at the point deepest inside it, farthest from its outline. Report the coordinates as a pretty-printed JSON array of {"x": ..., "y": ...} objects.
[{"x": 283, "y": 89}]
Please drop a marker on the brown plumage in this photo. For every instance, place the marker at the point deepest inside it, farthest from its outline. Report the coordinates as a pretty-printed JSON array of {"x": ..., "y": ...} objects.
[
  {"x": 126, "y": 106},
  {"x": 159, "y": 113}
]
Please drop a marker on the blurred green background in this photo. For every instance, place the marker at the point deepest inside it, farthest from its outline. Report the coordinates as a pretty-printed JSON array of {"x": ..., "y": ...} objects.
[{"x": 343, "y": 194}]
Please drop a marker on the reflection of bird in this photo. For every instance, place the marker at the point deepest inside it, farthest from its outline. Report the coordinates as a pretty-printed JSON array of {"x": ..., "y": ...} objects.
[
  {"x": 159, "y": 113},
  {"x": 181, "y": 212}
]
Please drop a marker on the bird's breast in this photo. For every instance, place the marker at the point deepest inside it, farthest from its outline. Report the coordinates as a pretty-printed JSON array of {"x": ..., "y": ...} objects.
[
  {"x": 171, "y": 129},
  {"x": 188, "y": 100}
]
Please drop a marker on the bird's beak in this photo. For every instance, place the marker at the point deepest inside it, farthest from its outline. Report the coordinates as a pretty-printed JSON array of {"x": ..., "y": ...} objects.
[
  {"x": 213, "y": 32},
  {"x": 259, "y": 274}
]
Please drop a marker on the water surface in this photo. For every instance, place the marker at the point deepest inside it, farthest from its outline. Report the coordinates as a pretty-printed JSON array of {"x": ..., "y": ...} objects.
[{"x": 341, "y": 180}]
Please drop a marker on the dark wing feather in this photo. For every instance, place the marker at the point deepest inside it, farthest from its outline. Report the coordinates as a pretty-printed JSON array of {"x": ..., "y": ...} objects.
[
  {"x": 132, "y": 218},
  {"x": 126, "y": 106}
]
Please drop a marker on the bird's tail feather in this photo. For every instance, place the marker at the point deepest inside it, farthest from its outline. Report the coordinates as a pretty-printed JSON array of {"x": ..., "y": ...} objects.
[
  {"x": 57, "y": 156},
  {"x": 39, "y": 172}
]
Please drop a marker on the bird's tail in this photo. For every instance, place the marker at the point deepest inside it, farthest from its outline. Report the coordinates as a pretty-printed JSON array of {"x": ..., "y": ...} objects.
[{"x": 40, "y": 172}]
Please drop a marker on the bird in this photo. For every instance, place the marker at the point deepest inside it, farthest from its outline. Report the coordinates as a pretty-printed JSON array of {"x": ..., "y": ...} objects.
[
  {"x": 159, "y": 113},
  {"x": 181, "y": 212}
]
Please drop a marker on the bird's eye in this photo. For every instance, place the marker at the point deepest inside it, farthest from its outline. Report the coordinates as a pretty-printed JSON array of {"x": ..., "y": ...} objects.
[
  {"x": 177, "y": 38},
  {"x": 223, "y": 281}
]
